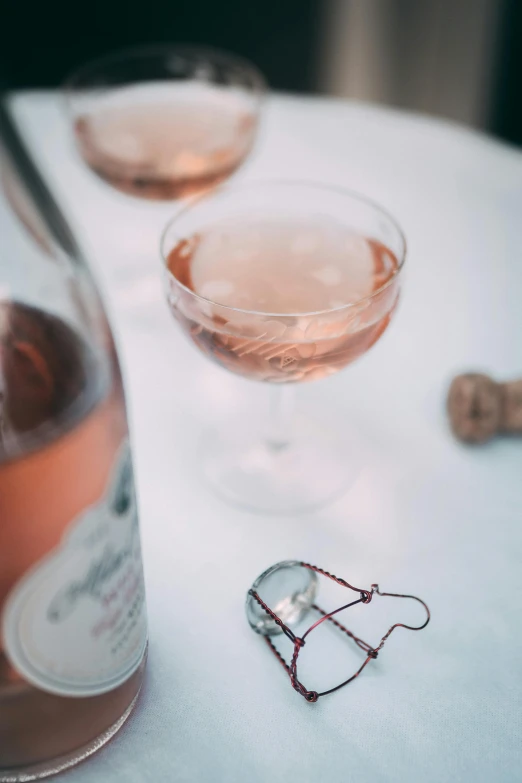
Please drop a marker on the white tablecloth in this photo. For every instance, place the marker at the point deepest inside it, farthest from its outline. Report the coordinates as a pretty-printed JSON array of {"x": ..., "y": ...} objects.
[{"x": 427, "y": 515}]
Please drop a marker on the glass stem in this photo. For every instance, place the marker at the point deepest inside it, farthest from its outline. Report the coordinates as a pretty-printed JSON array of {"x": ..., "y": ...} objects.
[{"x": 281, "y": 418}]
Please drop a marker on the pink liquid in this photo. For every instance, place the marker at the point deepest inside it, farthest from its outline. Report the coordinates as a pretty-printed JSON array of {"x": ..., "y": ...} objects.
[
  {"x": 305, "y": 275},
  {"x": 165, "y": 142},
  {"x": 60, "y": 430}
]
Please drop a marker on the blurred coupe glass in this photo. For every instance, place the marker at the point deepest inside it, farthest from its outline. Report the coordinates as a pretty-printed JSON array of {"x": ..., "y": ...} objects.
[{"x": 166, "y": 121}]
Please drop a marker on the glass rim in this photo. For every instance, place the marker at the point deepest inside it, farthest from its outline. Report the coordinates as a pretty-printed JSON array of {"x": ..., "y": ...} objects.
[
  {"x": 284, "y": 183},
  {"x": 75, "y": 80}
]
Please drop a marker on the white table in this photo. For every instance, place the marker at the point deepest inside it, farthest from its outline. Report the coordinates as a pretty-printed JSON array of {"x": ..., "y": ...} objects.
[{"x": 427, "y": 515}]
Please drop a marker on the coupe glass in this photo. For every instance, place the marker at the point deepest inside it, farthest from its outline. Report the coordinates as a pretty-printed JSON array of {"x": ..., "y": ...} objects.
[
  {"x": 166, "y": 121},
  {"x": 282, "y": 243}
]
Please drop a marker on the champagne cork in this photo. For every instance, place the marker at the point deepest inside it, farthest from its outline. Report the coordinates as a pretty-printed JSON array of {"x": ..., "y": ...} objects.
[{"x": 480, "y": 408}]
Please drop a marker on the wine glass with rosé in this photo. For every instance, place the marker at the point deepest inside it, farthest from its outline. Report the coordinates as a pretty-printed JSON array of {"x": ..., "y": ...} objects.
[
  {"x": 282, "y": 282},
  {"x": 166, "y": 121}
]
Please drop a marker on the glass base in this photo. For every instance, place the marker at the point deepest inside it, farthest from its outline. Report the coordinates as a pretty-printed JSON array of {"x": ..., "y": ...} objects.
[
  {"x": 53, "y": 767},
  {"x": 316, "y": 466}
]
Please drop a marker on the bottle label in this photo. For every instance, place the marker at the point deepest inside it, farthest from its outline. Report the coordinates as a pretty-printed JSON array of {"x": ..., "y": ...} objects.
[{"x": 75, "y": 624}]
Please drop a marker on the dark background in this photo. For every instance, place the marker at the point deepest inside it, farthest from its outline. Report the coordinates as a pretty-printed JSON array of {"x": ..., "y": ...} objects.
[
  {"x": 40, "y": 47},
  {"x": 506, "y": 115},
  {"x": 42, "y": 42}
]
